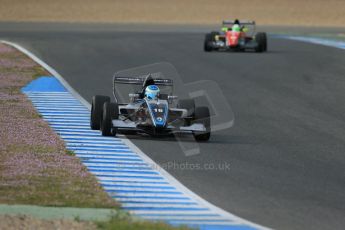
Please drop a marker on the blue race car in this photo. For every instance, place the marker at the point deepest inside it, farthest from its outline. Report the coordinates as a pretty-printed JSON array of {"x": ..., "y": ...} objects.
[{"x": 152, "y": 109}]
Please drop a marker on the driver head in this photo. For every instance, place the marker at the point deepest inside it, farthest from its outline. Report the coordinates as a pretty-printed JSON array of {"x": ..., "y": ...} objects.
[
  {"x": 152, "y": 92},
  {"x": 236, "y": 28}
]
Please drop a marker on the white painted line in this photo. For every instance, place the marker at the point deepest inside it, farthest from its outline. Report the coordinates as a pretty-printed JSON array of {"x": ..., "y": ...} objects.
[
  {"x": 317, "y": 41},
  {"x": 186, "y": 217},
  {"x": 64, "y": 123},
  {"x": 72, "y": 122},
  {"x": 49, "y": 103},
  {"x": 117, "y": 169},
  {"x": 76, "y": 130},
  {"x": 44, "y": 109},
  {"x": 83, "y": 146},
  {"x": 152, "y": 200},
  {"x": 127, "y": 174},
  {"x": 86, "y": 140},
  {"x": 85, "y": 120},
  {"x": 117, "y": 160},
  {"x": 69, "y": 126},
  {"x": 140, "y": 193},
  {"x": 199, "y": 223},
  {"x": 88, "y": 153},
  {"x": 48, "y": 93},
  {"x": 113, "y": 156},
  {"x": 68, "y": 116},
  {"x": 62, "y": 104},
  {"x": 59, "y": 117},
  {"x": 117, "y": 166},
  {"x": 114, "y": 164},
  {"x": 59, "y": 105},
  {"x": 80, "y": 134},
  {"x": 47, "y": 109},
  {"x": 69, "y": 108},
  {"x": 91, "y": 141},
  {"x": 101, "y": 150},
  {"x": 54, "y": 100},
  {"x": 171, "y": 212},
  {"x": 133, "y": 205},
  {"x": 51, "y": 96},
  {"x": 131, "y": 183},
  {"x": 163, "y": 188},
  {"x": 102, "y": 179},
  {"x": 78, "y": 144},
  {"x": 138, "y": 178},
  {"x": 61, "y": 121},
  {"x": 66, "y": 113}
]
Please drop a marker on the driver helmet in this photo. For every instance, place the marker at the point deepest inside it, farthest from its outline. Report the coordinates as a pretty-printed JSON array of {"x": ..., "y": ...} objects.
[
  {"x": 236, "y": 28},
  {"x": 152, "y": 92}
]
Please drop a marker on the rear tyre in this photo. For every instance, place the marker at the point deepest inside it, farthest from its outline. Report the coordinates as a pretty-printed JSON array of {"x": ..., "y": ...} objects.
[
  {"x": 97, "y": 110},
  {"x": 265, "y": 42},
  {"x": 202, "y": 115},
  {"x": 110, "y": 112},
  {"x": 261, "y": 39}
]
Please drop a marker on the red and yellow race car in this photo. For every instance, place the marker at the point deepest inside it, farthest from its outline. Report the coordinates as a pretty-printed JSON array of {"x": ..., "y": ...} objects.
[{"x": 236, "y": 36}]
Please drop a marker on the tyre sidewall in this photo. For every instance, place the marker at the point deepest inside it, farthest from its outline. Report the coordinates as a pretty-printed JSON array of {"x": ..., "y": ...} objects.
[
  {"x": 202, "y": 115},
  {"x": 97, "y": 111},
  {"x": 110, "y": 112}
]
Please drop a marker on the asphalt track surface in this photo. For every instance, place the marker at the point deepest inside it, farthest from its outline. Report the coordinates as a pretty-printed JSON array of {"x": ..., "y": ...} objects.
[{"x": 286, "y": 149}]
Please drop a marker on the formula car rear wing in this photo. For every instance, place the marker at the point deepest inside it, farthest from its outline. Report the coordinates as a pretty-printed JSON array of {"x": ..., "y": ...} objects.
[
  {"x": 140, "y": 80},
  {"x": 242, "y": 22},
  {"x": 124, "y": 85}
]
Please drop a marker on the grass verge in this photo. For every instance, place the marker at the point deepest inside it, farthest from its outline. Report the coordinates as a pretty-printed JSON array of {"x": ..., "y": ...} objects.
[
  {"x": 125, "y": 222},
  {"x": 35, "y": 167}
]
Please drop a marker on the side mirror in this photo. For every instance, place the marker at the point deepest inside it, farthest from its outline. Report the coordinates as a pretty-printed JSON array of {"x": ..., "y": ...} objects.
[
  {"x": 172, "y": 98},
  {"x": 133, "y": 96},
  {"x": 245, "y": 29}
]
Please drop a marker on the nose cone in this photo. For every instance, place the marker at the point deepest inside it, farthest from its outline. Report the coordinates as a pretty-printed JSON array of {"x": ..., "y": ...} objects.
[
  {"x": 159, "y": 114},
  {"x": 160, "y": 121}
]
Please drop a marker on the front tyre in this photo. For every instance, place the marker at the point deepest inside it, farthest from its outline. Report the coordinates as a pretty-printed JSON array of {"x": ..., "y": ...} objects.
[
  {"x": 202, "y": 116},
  {"x": 207, "y": 43},
  {"x": 110, "y": 112},
  {"x": 261, "y": 40},
  {"x": 97, "y": 110}
]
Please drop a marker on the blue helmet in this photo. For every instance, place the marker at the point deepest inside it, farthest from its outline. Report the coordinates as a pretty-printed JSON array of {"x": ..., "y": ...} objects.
[{"x": 152, "y": 92}]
